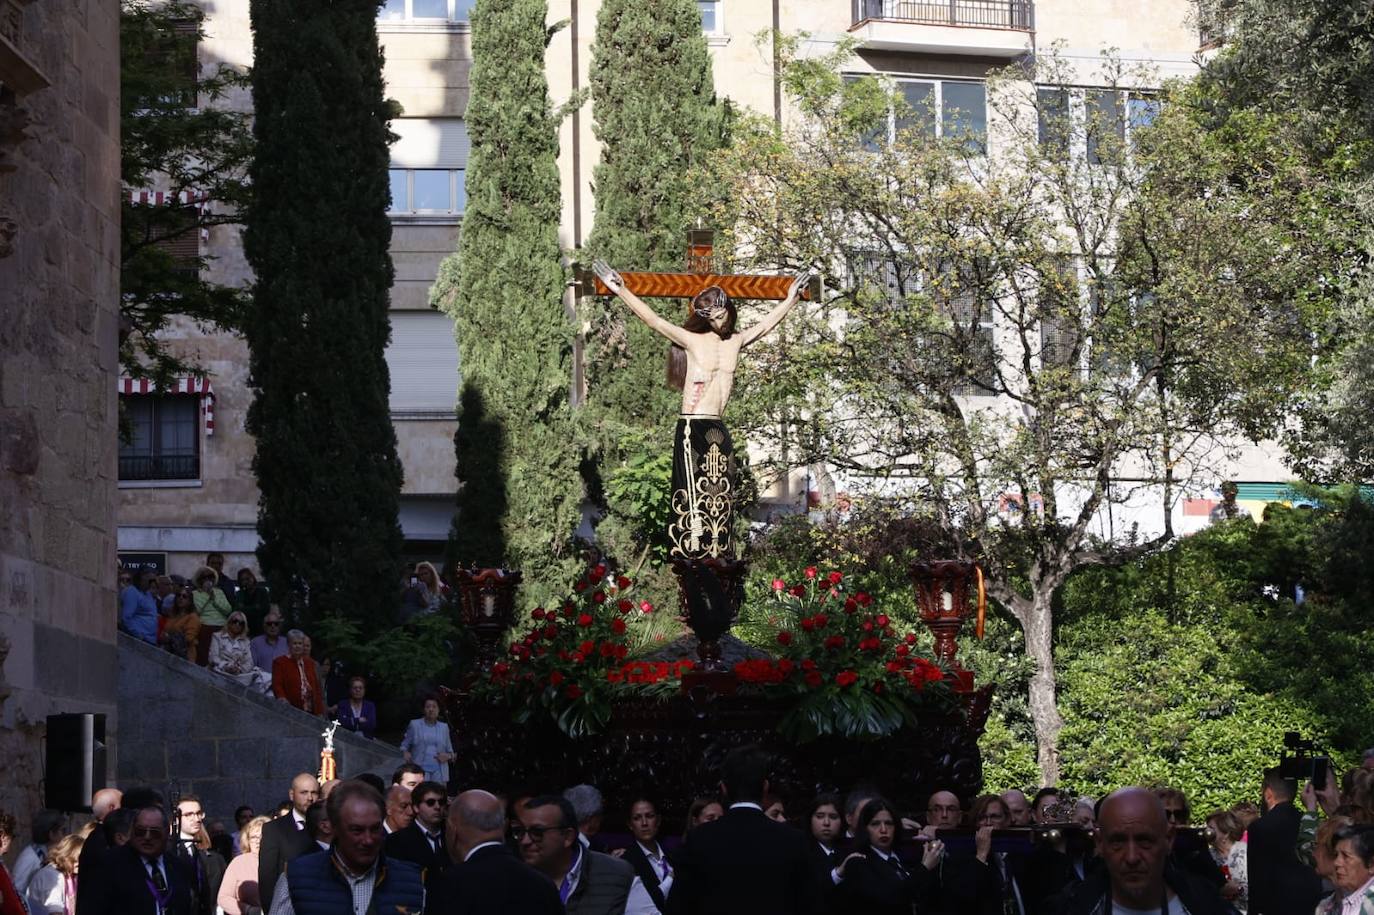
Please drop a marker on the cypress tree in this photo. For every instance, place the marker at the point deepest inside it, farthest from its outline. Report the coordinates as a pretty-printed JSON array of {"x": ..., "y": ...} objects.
[
  {"x": 656, "y": 115},
  {"x": 520, "y": 491},
  {"x": 317, "y": 236}
]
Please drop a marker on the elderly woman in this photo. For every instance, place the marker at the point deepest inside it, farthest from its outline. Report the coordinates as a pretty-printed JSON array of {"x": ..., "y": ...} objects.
[
  {"x": 357, "y": 713},
  {"x": 238, "y": 893},
  {"x": 213, "y": 608},
  {"x": 296, "y": 677},
  {"x": 428, "y": 745},
  {"x": 1353, "y": 873},
  {"x": 52, "y": 891},
  {"x": 181, "y": 629},
  {"x": 231, "y": 654}
]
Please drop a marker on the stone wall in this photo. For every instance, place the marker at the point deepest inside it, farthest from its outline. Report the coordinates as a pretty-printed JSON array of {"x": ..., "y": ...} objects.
[
  {"x": 186, "y": 729},
  {"x": 59, "y": 322}
]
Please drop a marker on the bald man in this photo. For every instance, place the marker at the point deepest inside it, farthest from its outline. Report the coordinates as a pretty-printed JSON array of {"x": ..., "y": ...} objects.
[
  {"x": 1133, "y": 843},
  {"x": 487, "y": 878},
  {"x": 1017, "y": 806},
  {"x": 285, "y": 838}
]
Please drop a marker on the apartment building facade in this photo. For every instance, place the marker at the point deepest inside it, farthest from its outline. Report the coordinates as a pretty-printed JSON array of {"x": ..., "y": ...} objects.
[{"x": 186, "y": 485}]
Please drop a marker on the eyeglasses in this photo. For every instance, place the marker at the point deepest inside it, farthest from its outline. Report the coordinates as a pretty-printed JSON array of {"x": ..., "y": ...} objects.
[
  {"x": 271, "y": 623},
  {"x": 432, "y": 802},
  {"x": 147, "y": 832},
  {"x": 536, "y": 833}
]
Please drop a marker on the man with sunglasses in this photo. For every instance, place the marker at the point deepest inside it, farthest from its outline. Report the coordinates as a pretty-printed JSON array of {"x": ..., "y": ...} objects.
[
  {"x": 588, "y": 882},
  {"x": 139, "y": 877},
  {"x": 423, "y": 842},
  {"x": 1188, "y": 850},
  {"x": 271, "y": 644}
]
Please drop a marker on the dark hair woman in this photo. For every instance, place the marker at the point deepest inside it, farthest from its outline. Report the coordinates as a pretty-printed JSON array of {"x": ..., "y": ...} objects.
[{"x": 872, "y": 879}]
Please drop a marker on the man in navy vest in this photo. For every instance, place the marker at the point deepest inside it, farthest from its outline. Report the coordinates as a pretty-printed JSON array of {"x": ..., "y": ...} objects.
[{"x": 354, "y": 876}]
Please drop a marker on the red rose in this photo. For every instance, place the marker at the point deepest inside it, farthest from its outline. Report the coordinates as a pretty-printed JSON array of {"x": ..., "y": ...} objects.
[
  {"x": 808, "y": 664},
  {"x": 863, "y": 599},
  {"x": 868, "y": 627},
  {"x": 835, "y": 578},
  {"x": 579, "y": 586},
  {"x": 607, "y": 650},
  {"x": 617, "y": 626},
  {"x": 798, "y": 591},
  {"x": 810, "y": 571},
  {"x": 555, "y": 678},
  {"x": 538, "y": 613},
  {"x": 646, "y": 607},
  {"x": 821, "y": 620},
  {"x": 584, "y": 620},
  {"x": 785, "y": 666},
  {"x": 808, "y": 624},
  {"x": 568, "y": 610},
  {"x": 573, "y": 691},
  {"x": 550, "y": 631},
  {"x": 586, "y": 647},
  {"x": 622, "y": 582},
  {"x": 834, "y": 642},
  {"x": 846, "y": 678},
  {"x": 620, "y": 652},
  {"x": 902, "y": 651},
  {"x": 813, "y": 678},
  {"x": 893, "y": 667},
  {"x": 578, "y": 657},
  {"x": 784, "y": 638},
  {"x": 910, "y": 638},
  {"x": 779, "y": 585},
  {"x": 624, "y": 606},
  {"x": 882, "y": 620},
  {"x": 600, "y": 570},
  {"x": 615, "y": 676},
  {"x": 850, "y": 605},
  {"x": 599, "y": 597}
]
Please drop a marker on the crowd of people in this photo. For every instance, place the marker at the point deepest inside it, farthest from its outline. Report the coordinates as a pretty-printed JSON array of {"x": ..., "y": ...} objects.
[{"x": 362, "y": 846}]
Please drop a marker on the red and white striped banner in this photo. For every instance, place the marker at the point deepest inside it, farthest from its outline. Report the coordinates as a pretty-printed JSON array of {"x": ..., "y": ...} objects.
[
  {"x": 149, "y": 197},
  {"x": 194, "y": 384}
]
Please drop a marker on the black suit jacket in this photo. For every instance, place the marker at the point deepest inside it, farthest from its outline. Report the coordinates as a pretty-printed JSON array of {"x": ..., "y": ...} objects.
[
  {"x": 281, "y": 843},
  {"x": 410, "y": 844},
  {"x": 1280, "y": 884},
  {"x": 207, "y": 867},
  {"x": 644, "y": 870},
  {"x": 743, "y": 862},
  {"x": 872, "y": 886},
  {"x": 120, "y": 886},
  {"x": 92, "y": 858},
  {"x": 492, "y": 882}
]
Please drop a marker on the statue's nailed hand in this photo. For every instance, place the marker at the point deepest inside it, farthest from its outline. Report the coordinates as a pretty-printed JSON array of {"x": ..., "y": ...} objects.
[
  {"x": 799, "y": 283},
  {"x": 607, "y": 275}
]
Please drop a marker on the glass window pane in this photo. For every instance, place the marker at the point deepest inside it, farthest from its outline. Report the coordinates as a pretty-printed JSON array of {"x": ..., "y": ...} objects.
[
  {"x": 1142, "y": 111},
  {"x": 429, "y": 9},
  {"x": 1102, "y": 110},
  {"x": 917, "y": 110},
  {"x": 1052, "y": 109},
  {"x": 708, "y": 14},
  {"x": 461, "y": 191},
  {"x": 399, "y": 202},
  {"x": 138, "y": 411},
  {"x": 964, "y": 113},
  {"x": 392, "y": 9},
  {"x": 177, "y": 425},
  {"x": 462, "y": 10},
  {"x": 431, "y": 190}
]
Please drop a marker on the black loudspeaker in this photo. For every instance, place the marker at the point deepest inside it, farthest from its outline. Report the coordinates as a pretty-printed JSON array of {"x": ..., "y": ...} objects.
[{"x": 75, "y": 766}]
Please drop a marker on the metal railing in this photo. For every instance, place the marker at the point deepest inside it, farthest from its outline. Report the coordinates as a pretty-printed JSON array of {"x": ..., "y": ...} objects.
[
  {"x": 159, "y": 466},
  {"x": 992, "y": 14}
]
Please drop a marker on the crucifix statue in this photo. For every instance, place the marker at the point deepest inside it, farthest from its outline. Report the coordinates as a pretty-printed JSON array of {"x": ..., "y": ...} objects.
[{"x": 702, "y": 357}]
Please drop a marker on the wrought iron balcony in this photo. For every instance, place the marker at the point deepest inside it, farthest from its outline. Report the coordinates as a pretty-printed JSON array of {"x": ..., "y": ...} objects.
[
  {"x": 997, "y": 28},
  {"x": 159, "y": 466},
  {"x": 988, "y": 14}
]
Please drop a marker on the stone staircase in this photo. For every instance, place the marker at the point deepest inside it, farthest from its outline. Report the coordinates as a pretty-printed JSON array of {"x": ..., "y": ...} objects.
[{"x": 187, "y": 730}]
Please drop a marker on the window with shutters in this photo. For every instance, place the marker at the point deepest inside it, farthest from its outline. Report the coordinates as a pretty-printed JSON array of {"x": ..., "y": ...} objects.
[
  {"x": 171, "y": 229},
  {"x": 428, "y": 167},
  {"x": 422, "y": 358},
  {"x": 164, "y": 439}
]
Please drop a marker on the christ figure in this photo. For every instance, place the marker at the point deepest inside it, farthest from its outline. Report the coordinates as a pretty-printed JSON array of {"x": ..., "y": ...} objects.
[{"x": 702, "y": 359}]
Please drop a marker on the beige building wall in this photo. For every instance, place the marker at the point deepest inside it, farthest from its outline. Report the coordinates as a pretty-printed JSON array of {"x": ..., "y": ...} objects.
[{"x": 59, "y": 324}]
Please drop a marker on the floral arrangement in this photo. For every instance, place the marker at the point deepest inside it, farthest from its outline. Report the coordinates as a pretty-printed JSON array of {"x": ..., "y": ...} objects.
[
  {"x": 852, "y": 673},
  {"x": 836, "y": 655},
  {"x": 572, "y": 660}
]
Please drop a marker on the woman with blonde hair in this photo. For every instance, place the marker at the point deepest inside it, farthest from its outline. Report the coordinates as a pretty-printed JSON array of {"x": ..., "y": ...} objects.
[
  {"x": 424, "y": 591},
  {"x": 52, "y": 891},
  {"x": 181, "y": 628},
  {"x": 238, "y": 892},
  {"x": 231, "y": 654}
]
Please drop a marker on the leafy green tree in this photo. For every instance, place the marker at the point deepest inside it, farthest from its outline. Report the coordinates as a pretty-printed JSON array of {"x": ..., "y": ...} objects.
[
  {"x": 317, "y": 237},
  {"x": 179, "y": 134},
  {"x": 520, "y": 490},
  {"x": 656, "y": 115},
  {"x": 1007, "y": 334}
]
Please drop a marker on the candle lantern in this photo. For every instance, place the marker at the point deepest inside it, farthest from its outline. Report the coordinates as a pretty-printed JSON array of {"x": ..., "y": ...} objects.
[
  {"x": 487, "y": 607},
  {"x": 944, "y": 589}
]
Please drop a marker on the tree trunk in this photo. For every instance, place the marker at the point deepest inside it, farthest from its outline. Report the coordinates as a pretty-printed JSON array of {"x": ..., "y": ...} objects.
[{"x": 1044, "y": 710}]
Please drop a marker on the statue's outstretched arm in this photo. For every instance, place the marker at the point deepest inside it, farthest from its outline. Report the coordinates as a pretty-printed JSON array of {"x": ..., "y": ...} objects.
[
  {"x": 774, "y": 318},
  {"x": 646, "y": 314}
]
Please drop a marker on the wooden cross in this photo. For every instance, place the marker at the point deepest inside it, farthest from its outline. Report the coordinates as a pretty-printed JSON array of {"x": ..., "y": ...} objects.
[{"x": 699, "y": 276}]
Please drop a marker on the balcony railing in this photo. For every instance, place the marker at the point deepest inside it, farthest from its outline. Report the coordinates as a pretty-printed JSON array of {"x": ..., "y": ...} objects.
[
  {"x": 159, "y": 466},
  {"x": 988, "y": 14}
]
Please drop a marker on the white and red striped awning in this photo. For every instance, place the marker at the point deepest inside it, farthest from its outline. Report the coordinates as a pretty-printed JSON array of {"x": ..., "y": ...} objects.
[
  {"x": 150, "y": 197},
  {"x": 194, "y": 384}
]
